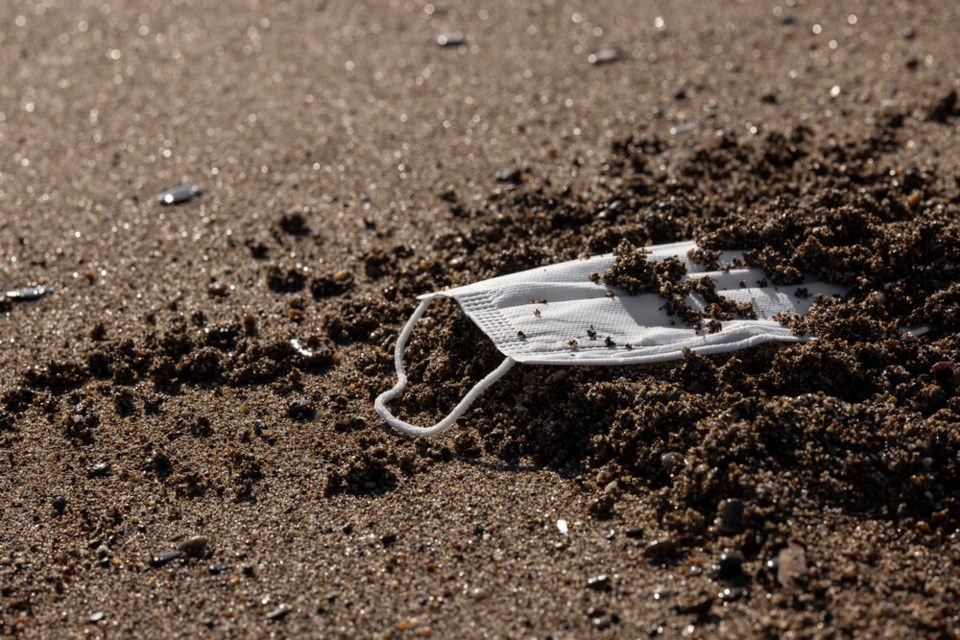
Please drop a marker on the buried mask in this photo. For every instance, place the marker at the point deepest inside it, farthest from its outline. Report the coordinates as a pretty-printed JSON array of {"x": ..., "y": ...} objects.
[{"x": 563, "y": 314}]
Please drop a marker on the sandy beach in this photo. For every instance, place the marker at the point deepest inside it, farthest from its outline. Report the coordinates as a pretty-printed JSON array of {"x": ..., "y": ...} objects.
[{"x": 188, "y": 444}]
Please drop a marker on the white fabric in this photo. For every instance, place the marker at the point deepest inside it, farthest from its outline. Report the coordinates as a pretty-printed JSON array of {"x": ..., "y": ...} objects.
[{"x": 509, "y": 309}]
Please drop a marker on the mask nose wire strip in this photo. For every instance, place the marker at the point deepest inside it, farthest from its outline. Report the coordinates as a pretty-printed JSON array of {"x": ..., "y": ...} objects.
[{"x": 459, "y": 410}]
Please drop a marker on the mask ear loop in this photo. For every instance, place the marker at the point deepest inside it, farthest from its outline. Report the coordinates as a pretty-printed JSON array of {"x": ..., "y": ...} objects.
[{"x": 461, "y": 408}]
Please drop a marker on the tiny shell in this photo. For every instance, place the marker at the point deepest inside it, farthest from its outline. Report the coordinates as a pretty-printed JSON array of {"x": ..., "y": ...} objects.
[
  {"x": 604, "y": 56},
  {"x": 179, "y": 194}
]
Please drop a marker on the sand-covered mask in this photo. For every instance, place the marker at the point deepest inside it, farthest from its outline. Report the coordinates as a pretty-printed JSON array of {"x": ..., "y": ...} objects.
[{"x": 605, "y": 310}]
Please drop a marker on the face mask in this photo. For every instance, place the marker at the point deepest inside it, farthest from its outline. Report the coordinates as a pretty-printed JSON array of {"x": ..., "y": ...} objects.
[{"x": 563, "y": 315}]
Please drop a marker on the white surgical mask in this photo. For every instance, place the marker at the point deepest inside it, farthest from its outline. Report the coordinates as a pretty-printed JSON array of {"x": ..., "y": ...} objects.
[{"x": 557, "y": 315}]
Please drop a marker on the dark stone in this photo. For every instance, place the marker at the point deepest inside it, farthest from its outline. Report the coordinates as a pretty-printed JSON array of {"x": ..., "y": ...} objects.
[
  {"x": 59, "y": 503},
  {"x": 164, "y": 559},
  {"x": 730, "y": 565},
  {"x": 730, "y": 518},
  {"x": 942, "y": 370}
]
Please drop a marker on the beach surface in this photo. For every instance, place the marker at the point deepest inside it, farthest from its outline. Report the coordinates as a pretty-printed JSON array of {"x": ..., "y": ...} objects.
[{"x": 188, "y": 445}]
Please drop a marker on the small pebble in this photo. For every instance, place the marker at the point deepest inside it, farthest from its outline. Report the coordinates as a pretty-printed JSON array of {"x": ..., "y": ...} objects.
[
  {"x": 730, "y": 565},
  {"x": 671, "y": 462},
  {"x": 634, "y": 533},
  {"x": 602, "y": 506},
  {"x": 179, "y": 194},
  {"x": 604, "y": 56},
  {"x": 164, "y": 559},
  {"x": 683, "y": 127},
  {"x": 59, "y": 503},
  {"x": 791, "y": 565},
  {"x": 218, "y": 567},
  {"x": 599, "y": 583},
  {"x": 606, "y": 475},
  {"x": 661, "y": 548},
  {"x": 942, "y": 370},
  {"x": 29, "y": 294},
  {"x": 730, "y": 518},
  {"x": 99, "y": 470},
  {"x": 451, "y": 39},
  {"x": 97, "y": 617},
  {"x": 194, "y": 546}
]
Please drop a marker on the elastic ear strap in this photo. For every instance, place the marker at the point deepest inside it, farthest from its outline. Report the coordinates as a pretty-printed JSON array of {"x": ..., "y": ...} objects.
[{"x": 461, "y": 408}]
